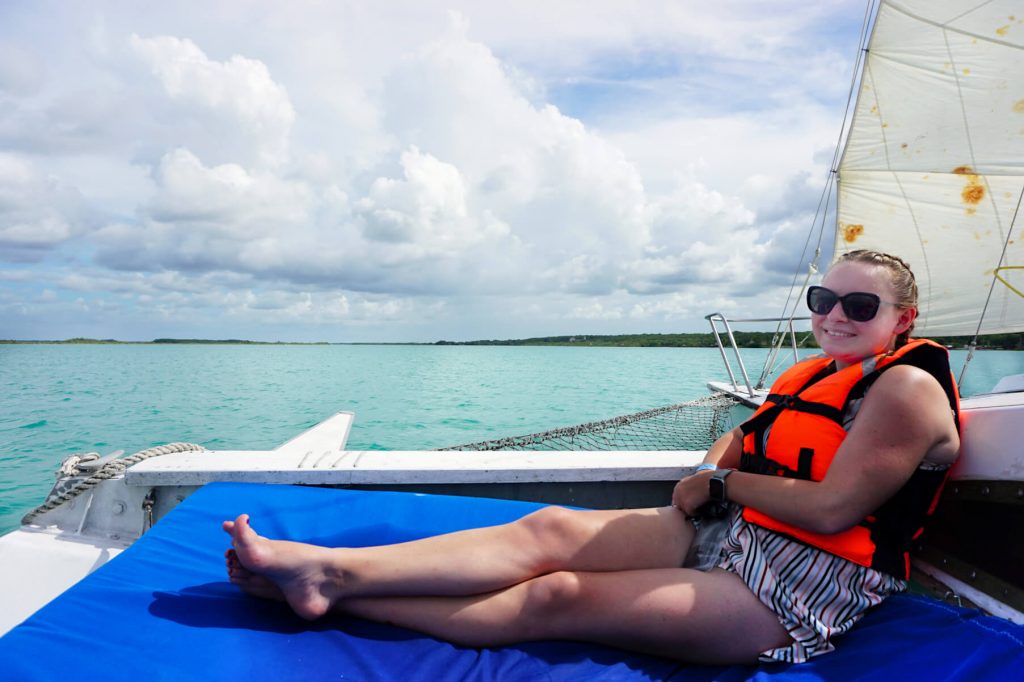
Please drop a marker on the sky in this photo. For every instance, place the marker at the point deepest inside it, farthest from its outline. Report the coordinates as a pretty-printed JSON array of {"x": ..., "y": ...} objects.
[{"x": 410, "y": 170}]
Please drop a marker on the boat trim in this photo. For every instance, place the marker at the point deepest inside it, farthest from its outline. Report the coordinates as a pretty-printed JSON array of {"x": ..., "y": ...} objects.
[{"x": 959, "y": 588}]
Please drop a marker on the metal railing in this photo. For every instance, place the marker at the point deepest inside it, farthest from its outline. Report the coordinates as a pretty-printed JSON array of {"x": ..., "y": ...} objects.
[{"x": 715, "y": 318}]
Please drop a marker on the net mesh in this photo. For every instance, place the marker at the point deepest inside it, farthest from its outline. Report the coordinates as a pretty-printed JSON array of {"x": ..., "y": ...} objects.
[{"x": 694, "y": 425}]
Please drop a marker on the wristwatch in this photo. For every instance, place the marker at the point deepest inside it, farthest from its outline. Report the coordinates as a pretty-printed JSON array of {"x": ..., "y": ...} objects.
[{"x": 716, "y": 485}]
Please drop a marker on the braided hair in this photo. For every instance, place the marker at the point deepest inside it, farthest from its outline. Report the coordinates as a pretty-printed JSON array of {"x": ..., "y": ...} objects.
[{"x": 901, "y": 276}]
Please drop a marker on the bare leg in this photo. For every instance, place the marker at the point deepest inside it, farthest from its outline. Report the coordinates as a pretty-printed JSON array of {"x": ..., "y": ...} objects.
[
  {"x": 471, "y": 562},
  {"x": 680, "y": 613}
]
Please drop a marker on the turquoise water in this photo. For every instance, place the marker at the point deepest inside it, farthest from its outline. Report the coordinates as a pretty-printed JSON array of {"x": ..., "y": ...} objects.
[{"x": 56, "y": 400}]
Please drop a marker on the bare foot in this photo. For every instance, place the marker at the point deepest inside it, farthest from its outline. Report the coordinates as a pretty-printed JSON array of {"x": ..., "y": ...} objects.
[
  {"x": 303, "y": 575},
  {"x": 250, "y": 583}
]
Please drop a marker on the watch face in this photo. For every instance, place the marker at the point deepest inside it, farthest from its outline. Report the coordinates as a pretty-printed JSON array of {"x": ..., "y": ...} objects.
[
  {"x": 716, "y": 485},
  {"x": 717, "y": 489}
]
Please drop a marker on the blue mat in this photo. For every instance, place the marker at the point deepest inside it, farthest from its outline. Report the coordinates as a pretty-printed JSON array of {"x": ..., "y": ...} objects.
[{"x": 164, "y": 611}]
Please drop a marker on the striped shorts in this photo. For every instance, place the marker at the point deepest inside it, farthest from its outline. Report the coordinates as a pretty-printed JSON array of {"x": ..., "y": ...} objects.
[{"x": 815, "y": 595}]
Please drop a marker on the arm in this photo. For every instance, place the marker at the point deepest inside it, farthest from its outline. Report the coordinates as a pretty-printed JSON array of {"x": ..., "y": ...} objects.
[
  {"x": 905, "y": 417},
  {"x": 692, "y": 491},
  {"x": 726, "y": 450}
]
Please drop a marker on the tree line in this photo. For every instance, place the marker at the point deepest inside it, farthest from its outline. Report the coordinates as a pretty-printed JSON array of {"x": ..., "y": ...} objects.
[{"x": 1013, "y": 341}]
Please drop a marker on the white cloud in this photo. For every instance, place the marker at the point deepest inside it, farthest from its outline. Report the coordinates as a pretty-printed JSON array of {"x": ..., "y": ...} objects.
[
  {"x": 407, "y": 170},
  {"x": 244, "y": 204},
  {"x": 595, "y": 310},
  {"x": 428, "y": 206},
  {"x": 557, "y": 184},
  {"x": 671, "y": 307},
  {"x": 37, "y": 212},
  {"x": 239, "y": 93},
  {"x": 21, "y": 72}
]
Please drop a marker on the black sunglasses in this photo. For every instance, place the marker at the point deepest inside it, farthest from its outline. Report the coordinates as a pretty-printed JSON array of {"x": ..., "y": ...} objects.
[{"x": 859, "y": 306}]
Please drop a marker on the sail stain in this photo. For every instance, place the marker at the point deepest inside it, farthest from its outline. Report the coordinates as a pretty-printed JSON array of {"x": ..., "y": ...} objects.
[
  {"x": 974, "y": 191},
  {"x": 1003, "y": 30},
  {"x": 852, "y": 232},
  {"x": 1018, "y": 106}
]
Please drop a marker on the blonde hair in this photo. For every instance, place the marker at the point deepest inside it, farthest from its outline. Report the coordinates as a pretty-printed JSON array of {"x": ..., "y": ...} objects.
[{"x": 904, "y": 285}]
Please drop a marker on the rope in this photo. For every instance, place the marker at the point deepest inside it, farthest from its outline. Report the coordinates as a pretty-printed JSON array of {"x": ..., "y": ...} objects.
[
  {"x": 821, "y": 212},
  {"x": 72, "y": 467},
  {"x": 988, "y": 299}
]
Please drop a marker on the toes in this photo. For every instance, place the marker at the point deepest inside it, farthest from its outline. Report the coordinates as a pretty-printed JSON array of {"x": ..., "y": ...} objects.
[
  {"x": 239, "y": 572},
  {"x": 240, "y": 524},
  {"x": 241, "y": 531}
]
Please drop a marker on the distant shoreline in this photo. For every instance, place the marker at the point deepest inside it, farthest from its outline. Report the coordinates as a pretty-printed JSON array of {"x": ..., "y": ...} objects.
[{"x": 1013, "y": 341}]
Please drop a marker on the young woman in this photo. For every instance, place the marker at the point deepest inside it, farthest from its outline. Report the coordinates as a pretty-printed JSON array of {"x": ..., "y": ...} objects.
[{"x": 828, "y": 483}]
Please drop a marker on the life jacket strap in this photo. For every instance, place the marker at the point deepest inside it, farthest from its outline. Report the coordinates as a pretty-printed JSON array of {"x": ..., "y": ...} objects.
[
  {"x": 759, "y": 422},
  {"x": 758, "y": 463}
]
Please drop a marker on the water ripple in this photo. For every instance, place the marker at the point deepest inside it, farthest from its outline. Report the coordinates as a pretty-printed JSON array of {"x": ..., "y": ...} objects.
[{"x": 57, "y": 400}]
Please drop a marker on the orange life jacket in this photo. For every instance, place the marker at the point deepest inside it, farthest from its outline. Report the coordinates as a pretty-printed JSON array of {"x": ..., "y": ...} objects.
[{"x": 799, "y": 428}]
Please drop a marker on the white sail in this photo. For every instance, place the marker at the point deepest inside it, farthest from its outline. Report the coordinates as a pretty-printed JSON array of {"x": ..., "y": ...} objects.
[{"x": 933, "y": 168}]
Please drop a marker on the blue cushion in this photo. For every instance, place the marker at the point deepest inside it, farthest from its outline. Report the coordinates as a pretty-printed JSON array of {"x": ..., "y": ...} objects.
[{"x": 164, "y": 610}]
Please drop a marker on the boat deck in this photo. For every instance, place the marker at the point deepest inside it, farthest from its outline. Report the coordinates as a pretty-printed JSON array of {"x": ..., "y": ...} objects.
[{"x": 164, "y": 605}]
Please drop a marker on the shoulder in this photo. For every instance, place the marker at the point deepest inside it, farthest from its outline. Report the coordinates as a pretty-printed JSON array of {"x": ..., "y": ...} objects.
[
  {"x": 911, "y": 400},
  {"x": 908, "y": 385}
]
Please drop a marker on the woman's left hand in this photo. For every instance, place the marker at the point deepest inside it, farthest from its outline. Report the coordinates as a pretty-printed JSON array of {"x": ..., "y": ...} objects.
[{"x": 691, "y": 492}]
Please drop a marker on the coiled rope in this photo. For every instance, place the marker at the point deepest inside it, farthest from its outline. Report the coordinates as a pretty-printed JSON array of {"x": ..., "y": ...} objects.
[{"x": 72, "y": 466}]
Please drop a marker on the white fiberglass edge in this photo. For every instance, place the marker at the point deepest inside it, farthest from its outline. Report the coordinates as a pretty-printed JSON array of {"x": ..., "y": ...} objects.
[
  {"x": 37, "y": 566},
  {"x": 990, "y": 437},
  {"x": 393, "y": 467},
  {"x": 326, "y": 437}
]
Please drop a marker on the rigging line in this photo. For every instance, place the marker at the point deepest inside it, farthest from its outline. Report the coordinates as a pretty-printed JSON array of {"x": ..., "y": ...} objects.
[
  {"x": 779, "y": 338},
  {"x": 859, "y": 64},
  {"x": 770, "y": 362},
  {"x": 822, "y": 200},
  {"x": 870, "y": 10},
  {"x": 991, "y": 287}
]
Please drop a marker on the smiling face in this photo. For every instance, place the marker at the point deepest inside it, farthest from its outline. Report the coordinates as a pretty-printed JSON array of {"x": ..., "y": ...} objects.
[{"x": 849, "y": 342}]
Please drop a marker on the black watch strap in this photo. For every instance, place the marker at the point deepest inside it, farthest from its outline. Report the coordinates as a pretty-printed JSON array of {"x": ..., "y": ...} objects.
[{"x": 716, "y": 485}]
